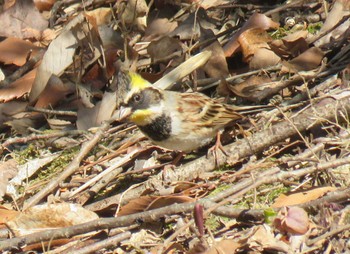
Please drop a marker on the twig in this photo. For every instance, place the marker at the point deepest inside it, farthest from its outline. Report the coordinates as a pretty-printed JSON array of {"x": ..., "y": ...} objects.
[
  {"x": 71, "y": 168},
  {"x": 255, "y": 144},
  {"x": 109, "y": 242},
  {"x": 149, "y": 216},
  {"x": 24, "y": 140},
  {"x": 256, "y": 183},
  {"x": 121, "y": 161},
  {"x": 52, "y": 112},
  {"x": 333, "y": 232},
  {"x": 84, "y": 197}
]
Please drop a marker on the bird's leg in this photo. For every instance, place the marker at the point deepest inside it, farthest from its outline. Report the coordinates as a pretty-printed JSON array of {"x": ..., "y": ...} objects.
[{"x": 215, "y": 148}]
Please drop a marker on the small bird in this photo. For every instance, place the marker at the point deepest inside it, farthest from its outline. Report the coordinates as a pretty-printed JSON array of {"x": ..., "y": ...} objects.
[{"x": 172, "y": 120}]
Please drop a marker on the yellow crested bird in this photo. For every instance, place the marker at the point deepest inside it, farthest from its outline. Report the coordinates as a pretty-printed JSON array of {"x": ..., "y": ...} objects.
[{"x": 172, "y": 120}]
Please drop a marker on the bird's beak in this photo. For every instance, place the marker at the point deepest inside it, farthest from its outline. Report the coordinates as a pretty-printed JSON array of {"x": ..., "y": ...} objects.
[{"x": 124, "y": 113}]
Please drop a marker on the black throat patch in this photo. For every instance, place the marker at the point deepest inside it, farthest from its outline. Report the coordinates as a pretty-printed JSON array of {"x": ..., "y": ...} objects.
[{"x": 159, "y": 129}]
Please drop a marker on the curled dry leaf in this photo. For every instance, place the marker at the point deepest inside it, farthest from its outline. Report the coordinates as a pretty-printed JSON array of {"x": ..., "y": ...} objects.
[
  {"x": 293, "y": 220},
  {"x": 257, "y": 20},
  {"x": 253, "y": 88},
  {"x": 189, "y": 29},
  {"x": 256, "y": 50},
  {"x": 216, "y": 67},
  {"x": 251, "y": 40},
  {"x": 16, "y": 51},
  {"x": 102, "y": 16},
  {"x": 19, "y": 88},
  {"x": 309, "y": 60},
  {"x": 166, "y": 49},
  {"x": 159, "y": 27},
  {"x": 291, "y": 45},
  {"x": 44, "y": 5}
]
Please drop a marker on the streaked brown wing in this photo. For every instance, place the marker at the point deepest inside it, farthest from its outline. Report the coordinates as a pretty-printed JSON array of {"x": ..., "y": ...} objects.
[{"x": 206, "y": 112}]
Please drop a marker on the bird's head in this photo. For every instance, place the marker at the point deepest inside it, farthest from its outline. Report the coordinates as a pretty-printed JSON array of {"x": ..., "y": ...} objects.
[{"x": 139, "y": 101}]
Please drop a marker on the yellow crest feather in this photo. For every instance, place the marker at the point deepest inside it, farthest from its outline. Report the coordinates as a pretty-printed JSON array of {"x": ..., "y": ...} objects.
[{"x": 137, "y": 81}]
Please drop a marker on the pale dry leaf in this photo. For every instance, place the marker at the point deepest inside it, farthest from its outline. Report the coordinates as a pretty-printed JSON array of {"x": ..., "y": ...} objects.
[
  {"x": 21, "y": 15},
  {"x": 7, "y": 214},
  {"x": 262, "y": 238},
  {"x": 141, "y": 238},
  {"x": 263, "y": 58},
  {"x": 54, "y": 92},
  {"x": 8, "y": 169},
  {"x": 60, "y": 53},
  {"x": 339, "y": 10},
  {"x": 11, "y": 108},
  {"x": 103, "y": 110},
  {"x": 133, "y": 13},
  {"x": 103, "y": 16},
  {"x": 301, "y": 197},
  {"x": 183, "y": 70},
  {"x": 49, "y": 216},
  {"x": 27, "y": 170},
  {"x": 224, "y": 247},
  {"x": 2, "y": 75},
  {"x": 40, "y": 38},
  {"x": 59, "y": 124}
]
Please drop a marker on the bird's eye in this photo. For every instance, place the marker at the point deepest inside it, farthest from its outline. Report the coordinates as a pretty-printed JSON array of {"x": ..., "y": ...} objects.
[{"x": 137, "y": 98}]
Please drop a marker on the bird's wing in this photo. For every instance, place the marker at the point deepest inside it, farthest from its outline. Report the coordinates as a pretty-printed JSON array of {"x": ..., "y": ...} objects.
[{"x": 206, "y": 112}]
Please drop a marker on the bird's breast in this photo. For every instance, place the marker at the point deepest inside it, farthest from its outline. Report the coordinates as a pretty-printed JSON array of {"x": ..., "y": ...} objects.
[{"x": 159, "y": 129}]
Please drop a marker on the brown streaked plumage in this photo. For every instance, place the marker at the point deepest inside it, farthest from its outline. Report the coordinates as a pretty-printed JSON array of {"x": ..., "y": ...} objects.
[{"x": 173, "y": 120}]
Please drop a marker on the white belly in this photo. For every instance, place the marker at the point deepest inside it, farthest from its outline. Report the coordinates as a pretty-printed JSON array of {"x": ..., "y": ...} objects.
[{"x": 186, "y": 144}]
